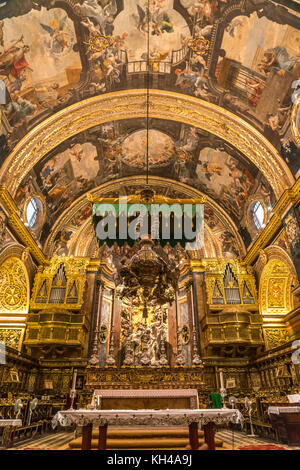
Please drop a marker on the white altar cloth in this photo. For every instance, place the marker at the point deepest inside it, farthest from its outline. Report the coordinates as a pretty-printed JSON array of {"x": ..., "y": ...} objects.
[
  {"x": 10, "y": 422},
  {"x": 83, "y": 417},
  {"x": 276, "y": 410}
]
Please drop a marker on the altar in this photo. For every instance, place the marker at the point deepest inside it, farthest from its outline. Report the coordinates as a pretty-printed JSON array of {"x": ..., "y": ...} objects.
[
  {"x": 205, "y": 418},
  {"x": 158, "y": 399}
]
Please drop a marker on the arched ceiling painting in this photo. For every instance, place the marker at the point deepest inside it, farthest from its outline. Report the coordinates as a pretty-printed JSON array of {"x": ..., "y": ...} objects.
[{"x": 242, "y": 56}]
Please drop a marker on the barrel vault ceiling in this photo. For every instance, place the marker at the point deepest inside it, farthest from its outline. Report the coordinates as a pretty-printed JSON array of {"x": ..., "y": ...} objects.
[{"x": 225, "y": 69}]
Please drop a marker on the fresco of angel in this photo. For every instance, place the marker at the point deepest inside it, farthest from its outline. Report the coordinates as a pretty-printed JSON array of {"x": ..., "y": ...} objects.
[
  {"x": 102, "y": 17},
  {"x": 141, "y": 19},
  {"x": 61, "y": 242},
  {"x": 159, "y": 21},
  {"x": 60, "y": 38}
]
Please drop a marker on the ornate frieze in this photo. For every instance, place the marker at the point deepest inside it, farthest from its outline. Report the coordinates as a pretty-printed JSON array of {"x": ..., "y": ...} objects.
[
  {"x": 12, "y": 337},
  {"x": 139, "y": 378},
  {"x": 275, "y": 337}
]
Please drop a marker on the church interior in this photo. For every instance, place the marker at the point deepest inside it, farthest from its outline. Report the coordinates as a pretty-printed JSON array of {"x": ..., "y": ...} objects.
[{"x": 153, "y": 101}]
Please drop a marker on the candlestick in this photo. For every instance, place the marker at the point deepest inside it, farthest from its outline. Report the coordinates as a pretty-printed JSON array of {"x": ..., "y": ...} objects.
[
  {"x": 221, "y": 380},
  {"x": 222, "y": 388},
  {"x": 74, "y": 380}
]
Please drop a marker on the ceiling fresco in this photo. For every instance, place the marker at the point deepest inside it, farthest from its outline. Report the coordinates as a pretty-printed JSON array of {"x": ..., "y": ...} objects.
[
  {"x": 241, "y": 55},
  {"x": 118, "y": 149}
]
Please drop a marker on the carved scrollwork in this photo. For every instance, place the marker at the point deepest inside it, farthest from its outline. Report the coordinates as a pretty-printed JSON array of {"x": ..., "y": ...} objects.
[{"x": 13, "y": 286}]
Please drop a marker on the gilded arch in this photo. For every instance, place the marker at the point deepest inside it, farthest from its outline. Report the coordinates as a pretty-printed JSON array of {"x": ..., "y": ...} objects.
[{"x": 131, "y": 104}]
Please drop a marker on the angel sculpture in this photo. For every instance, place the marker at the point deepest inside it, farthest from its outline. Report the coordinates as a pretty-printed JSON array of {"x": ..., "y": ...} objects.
[{"x": 59, "y": 35}]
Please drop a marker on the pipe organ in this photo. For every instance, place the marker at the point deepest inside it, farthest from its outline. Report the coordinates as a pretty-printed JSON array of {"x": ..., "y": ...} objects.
[{"x": 57, "y": 320}]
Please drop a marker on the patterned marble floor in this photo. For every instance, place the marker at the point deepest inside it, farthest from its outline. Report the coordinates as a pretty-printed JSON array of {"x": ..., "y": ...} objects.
[
  {"x": 240, "y": 439},
  {"x": 49, "y": 441}
]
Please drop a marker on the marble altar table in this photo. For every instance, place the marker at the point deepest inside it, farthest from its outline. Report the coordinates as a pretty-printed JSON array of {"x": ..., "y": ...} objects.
[{"x": 205, "y": 418}]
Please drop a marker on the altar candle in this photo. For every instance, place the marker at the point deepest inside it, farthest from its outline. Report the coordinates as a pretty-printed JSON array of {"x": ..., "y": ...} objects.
[
  {"x": 74, "y": 379},
  {"x": 221, "y": 380}
]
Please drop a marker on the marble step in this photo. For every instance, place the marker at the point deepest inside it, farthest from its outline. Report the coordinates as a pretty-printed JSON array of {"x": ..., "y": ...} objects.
[
  {"x": 141, "y": 442},
  {"x": 140, "y": 433}
]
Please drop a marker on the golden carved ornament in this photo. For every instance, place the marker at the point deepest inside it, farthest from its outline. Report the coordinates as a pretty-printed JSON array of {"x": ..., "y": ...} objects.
[
  {"x": 289, "y": 197},
  {"x": 275, "y": 288},
  {"x": 130, "y": 104},
  {"x": 12, "y": 337},
  {"x": 215, "y": 270},
  {"x": 14, "y": 287},
  {"x": 74, "y": 269},
  {"x": 275, "y": 337},
  {"x": 295, "y": 120}
]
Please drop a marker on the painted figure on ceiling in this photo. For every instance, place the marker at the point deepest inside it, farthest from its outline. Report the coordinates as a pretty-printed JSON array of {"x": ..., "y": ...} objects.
[
  {"x": 279, "y": 60},
  {"x": 60, "y": 37},
  {"x": 61, "y": 242},
  {"x": 13, "y": 60},
  {"x": 102, "y": 17},
  {"x": 159, "y": 20}
]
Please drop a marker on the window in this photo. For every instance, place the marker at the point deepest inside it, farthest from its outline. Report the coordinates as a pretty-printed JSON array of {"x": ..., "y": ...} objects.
[
  {"x": 34, "y": 210},
  {"x": 258, "y": 214}
]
